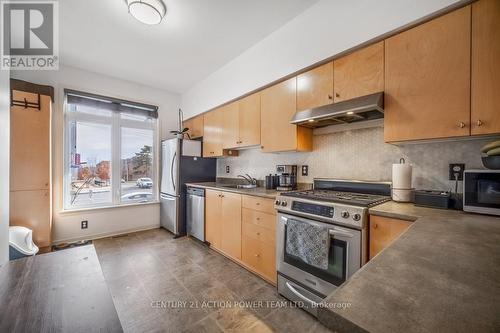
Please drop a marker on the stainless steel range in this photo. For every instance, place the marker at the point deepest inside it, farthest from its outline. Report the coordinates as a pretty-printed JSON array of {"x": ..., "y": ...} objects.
[{"x": 340, "y": 208}]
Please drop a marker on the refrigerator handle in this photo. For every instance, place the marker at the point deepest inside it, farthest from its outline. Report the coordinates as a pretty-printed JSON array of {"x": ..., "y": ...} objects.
[{"x": 172, "y": 171}]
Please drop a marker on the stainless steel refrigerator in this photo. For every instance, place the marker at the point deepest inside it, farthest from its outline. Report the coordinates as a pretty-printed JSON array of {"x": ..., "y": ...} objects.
[{"x": 182, "y": 163}]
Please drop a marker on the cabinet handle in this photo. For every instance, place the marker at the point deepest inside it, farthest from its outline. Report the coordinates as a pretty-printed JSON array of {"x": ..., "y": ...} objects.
[
  {"x": 375, "y": 226},
  {"x": 479, "y": 122},
  {"x": 257, "y": 255},
  {"x": 258, "y": 219},
  {"x": 257, "y": 203},
  {"x": 330, "y": 97},
  {"x": 461, "y": 124},
  {"x": 258, "y": 234},
  {"x": 337, "y": 95}
]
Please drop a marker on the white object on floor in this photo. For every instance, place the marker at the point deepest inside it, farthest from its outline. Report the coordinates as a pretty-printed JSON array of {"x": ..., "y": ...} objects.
[{"x": 21, "y": 239}]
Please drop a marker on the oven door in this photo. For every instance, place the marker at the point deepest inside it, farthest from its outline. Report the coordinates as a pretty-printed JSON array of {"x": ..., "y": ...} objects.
[
  {"x": 344, "y": 257},
  {"x": 482, "y": 192}
]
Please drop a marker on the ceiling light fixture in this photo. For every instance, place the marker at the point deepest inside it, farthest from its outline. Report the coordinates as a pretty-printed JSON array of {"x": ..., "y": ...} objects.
[{"x": 147, "y": 11}]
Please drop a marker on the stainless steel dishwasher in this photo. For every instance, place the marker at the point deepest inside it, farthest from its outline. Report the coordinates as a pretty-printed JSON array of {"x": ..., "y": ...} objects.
[{"x": 195, "y": 212}]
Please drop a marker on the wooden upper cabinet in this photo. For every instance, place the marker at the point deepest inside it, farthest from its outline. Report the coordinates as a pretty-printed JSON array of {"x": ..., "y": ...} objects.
[
  {"x": 315, "y": 87},
  {"x": 485, "y": 112},
  {"x": 278, "y": 105},
  {"x": 195, "y": 126},
  {"x": 230, "y": 130},
  {"x": 213, "y": 123},
  {"x": 427, "y": 80},
  {"x": 359, "y": 73},
  {"x": 249, "y": 120},
  {"x": 242, "y": 122}
]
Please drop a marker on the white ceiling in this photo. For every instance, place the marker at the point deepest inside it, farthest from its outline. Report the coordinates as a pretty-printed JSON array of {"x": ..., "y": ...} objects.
[{"x": 195, "y": 38}]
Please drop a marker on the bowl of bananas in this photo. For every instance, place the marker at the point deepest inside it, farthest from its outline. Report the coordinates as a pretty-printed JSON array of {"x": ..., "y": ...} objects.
[{"x": 491, "y": 155}]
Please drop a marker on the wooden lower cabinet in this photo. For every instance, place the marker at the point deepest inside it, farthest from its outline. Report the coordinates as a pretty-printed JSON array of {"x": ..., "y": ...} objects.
[
  {"x": 231, "y": 224},
  {"x": 260, "y": 256},
  {"x": 223, "y": 222},
  {"x": 383, "y": 231},
  {"x": 243, "y": 228}
]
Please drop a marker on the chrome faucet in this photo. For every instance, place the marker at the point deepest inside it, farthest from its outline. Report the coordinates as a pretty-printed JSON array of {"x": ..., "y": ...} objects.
[{"x": 249, "y": 179}]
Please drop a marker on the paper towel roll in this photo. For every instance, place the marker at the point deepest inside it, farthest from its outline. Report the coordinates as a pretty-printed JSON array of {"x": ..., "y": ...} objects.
[{"x": 401, "y": 176}]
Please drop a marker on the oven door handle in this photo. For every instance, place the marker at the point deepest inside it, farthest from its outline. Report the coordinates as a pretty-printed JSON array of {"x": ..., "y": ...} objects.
[
  {"x": 299, "y": 295},
  {"x": 339, "y": 233}
]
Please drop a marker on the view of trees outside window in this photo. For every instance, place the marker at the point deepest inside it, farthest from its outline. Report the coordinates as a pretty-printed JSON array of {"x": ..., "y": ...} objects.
[
  {"x": 90, "y": 164},
  {"x": 137, "y": 165}
]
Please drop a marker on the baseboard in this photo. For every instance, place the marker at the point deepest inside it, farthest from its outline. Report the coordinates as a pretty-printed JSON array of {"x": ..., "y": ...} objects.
[{"x": 106, "y": 234}]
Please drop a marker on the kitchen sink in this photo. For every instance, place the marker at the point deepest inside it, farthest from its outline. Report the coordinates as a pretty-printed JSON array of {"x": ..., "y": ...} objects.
[{"x": 242, "y": 186}]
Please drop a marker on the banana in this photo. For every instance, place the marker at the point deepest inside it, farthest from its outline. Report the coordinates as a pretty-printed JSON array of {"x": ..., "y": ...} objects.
[
  {"x": 492, "y": 145},
  {"x": 494, "y": 152}
]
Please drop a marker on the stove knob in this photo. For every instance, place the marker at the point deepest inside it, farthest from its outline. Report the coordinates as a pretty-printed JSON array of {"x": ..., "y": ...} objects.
[
  {"x": 284, "y": 203},
  {"x": 356, "y": 217},
  {"x": 277, "y": 202},
  {"x": 344, "y": 214}
]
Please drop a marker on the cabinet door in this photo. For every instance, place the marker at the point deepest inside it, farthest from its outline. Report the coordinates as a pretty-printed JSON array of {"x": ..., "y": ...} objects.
[
  {"x": 212, "y": 138},
  {"x": 383, "y": 231},
  {"x": 278, "y": 105},
  {"x": 359, "y": 73},
  {"x": 230, "y": 130},
  {"x": 195, "y": 126},
  {"x": 315, "y": 87},
  {"x": 32, "y": 209},
  {"x": 485, "y": 112},
  {"x": 213, "y": 218},
  {"x": 30, "y": 144},
  {"x": 249, "y": 120},
  {"x": 427, "y": 80},
  {"x": 231, "y": 224}
]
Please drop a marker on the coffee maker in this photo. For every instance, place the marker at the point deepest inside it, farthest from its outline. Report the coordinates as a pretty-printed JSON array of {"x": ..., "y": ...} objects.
[{"x": 287, "y": 177}]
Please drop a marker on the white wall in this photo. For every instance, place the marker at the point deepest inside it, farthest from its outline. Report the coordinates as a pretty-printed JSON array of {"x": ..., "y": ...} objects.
[
  {"x": 325, "y": 29},
  {"x": 102, "y": 222},
  {"x": 4, "y": 165}
]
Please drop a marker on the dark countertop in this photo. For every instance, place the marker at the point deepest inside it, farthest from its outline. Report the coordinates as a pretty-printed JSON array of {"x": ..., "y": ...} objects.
[
  {"x": 441, "y": 275},
  {"x": 62, "y": 291},
  {"x": 257, "y": 192}
]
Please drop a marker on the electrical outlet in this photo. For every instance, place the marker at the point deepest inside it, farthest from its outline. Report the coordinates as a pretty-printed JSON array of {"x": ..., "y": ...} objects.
[
  {"x": 456, "y": 168},
  {"x": 85, "y": 224},
  {"x": 227, "y": 169},
  {"x": 305, "y": 170}
]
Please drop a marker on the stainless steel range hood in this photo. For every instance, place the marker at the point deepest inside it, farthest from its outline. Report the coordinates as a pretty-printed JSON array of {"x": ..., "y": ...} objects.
[{"x": 363, "y": 108}]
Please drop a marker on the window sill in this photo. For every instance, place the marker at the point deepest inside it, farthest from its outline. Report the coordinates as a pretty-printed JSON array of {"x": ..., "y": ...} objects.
[{"x": 89, "y": 209}]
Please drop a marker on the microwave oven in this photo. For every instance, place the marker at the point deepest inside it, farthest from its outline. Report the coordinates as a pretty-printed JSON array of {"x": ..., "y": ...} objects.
[{"x": 482, "y": 191}]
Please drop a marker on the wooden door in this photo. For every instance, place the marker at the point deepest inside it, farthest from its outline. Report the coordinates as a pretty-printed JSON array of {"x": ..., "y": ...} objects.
[
  {"x": 359, "y": 73},
  {"x": 231, "y": 224},
  {"x": 383, "y": 231},
  {"x": 315, "y": 87},
  {"x": 278, "y": 105},
  {"x": 212, "y": 133},
  {"x": 230, "y": 130},
  {"x": 485, "y": 111},
  {"x": 32, "y": 209},
  {"x": 249, "y": 120},
  {"x": 213, "y": 218},
  {"x": 30, "y": 144},
  {"x": 195, "y": 126},
  {"x": 427, "y": 80}
]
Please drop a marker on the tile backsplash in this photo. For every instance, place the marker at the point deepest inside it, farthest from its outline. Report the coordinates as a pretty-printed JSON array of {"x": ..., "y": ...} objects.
[{"x": 362, "y": 154}]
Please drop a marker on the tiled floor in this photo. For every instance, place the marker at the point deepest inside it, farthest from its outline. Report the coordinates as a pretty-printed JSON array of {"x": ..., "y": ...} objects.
[{"x": 144, "y": 268}]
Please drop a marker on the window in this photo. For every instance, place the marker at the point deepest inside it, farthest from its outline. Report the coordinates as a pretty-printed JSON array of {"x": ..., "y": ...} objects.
[{"x": 110, "y": 151}]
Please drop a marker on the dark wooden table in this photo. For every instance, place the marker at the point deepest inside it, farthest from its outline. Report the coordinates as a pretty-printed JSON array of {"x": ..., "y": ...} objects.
[{"x": 61, "y": 291}]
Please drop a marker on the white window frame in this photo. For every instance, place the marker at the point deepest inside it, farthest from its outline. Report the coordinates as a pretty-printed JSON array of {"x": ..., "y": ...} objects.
[{"x": 116, "y": 123}]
